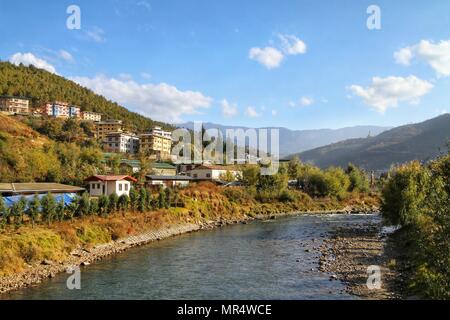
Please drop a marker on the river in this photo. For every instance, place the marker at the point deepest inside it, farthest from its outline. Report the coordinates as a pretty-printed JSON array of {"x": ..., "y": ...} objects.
[{"x": 261, "y": 260}]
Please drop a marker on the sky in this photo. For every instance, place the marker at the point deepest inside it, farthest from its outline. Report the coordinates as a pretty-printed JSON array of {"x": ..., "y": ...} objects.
[{"x": 303, "y": 64}]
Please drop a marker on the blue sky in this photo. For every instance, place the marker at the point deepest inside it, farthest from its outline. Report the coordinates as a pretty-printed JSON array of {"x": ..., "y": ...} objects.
[{"x": 296, "y": 64}]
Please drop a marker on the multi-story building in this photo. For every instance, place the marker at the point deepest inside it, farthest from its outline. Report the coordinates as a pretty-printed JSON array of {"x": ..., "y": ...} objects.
[
  {"x": 156, "y": 142},
  {"x": 102, "y": 128},
  {"x": 14, "y": 104},
  {"x": 91, "y": 116},
  {"x": 121, "y": 142},
  {"x": 59, "y": 109}
]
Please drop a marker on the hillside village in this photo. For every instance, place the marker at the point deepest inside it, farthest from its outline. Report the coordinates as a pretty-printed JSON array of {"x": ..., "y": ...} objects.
[{"x": 118, "y": 143}]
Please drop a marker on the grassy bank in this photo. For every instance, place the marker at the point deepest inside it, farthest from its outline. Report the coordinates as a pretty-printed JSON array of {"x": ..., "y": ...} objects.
[{"x": 24, "y": 246}]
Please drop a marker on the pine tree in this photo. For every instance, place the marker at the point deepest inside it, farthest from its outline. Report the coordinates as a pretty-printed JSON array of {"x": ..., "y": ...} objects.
[
  {"x": 103, "y": 205},
  {"x": 142, "y": 199},
  {"x": 134, "y": 199},
  {"x": 113, "y": 200},
  {"x": 33, "y": 209},
  {"x": 48, "y": 204}
]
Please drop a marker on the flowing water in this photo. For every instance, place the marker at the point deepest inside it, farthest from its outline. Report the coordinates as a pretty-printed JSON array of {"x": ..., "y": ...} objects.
[{"x": 260, "y": 260}]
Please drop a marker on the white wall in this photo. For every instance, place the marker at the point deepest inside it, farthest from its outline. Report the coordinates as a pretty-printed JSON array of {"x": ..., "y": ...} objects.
[{"x": 110, "y": 187}]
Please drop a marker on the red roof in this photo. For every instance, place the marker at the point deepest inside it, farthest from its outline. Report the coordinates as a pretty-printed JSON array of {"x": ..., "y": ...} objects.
[{"x": 111, "y": 178}]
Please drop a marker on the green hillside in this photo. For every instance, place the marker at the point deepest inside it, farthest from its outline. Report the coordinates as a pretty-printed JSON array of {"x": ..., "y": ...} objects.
[
  {"x": 42, "y": 86},
  {"x": 422, "y": 141}
]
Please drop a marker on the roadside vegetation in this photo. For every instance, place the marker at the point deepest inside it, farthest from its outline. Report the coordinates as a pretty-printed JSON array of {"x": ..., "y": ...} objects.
[{"x": 417, "y": 197}]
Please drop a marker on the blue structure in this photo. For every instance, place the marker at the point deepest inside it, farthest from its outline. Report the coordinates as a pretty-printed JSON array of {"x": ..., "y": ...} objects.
[{"x": 68, "y": 198}]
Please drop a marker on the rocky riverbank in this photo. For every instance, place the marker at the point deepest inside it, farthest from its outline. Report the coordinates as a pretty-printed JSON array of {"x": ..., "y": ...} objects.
[
  {"x": 349, "y": 252},
  {"x": 83, "y": 257}
]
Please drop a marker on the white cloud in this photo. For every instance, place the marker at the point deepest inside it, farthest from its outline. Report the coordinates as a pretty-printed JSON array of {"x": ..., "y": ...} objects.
[
  {"x": 228, "y": 109},
  {"x": 146, "y": 75},
  {"x": 437, "y": 55},
  {"x": 65, "y": 55},
  {"x": 292, "y": 45},
  {"x": 269, "y": 57},
  {"x": 145, "y": 5},
  {"x": 97, "y": 34},
  {"x": 30, "y": 59},
  {"x": 306, "y": 101},
  {"x": 384, "y": 93},
  {"x": 158, "y": 101},
  {"x": 251, "y": 112},
  {"x": 403, "y": 56}
]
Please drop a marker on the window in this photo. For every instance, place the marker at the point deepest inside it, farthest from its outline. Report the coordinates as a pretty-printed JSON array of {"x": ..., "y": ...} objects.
[
  {"x": 195, "y": 175},
  {"x": 126, "y": 186},
  {"x": 208, "y": 175},
  {"x": 120, "y": 187},
  {"x": 98, "y": 186},
  {"x": 93, "y": 186}
]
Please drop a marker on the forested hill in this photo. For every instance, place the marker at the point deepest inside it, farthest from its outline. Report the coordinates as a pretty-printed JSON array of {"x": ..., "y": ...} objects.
[
  {"x": 42, "y": 86},
  {"x": 421, "y": 141}
]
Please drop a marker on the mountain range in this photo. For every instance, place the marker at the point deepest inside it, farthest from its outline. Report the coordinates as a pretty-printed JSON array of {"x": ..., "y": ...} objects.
[
  {"x": 293, "y": 141},
  {"x": 421, "y": 141}
]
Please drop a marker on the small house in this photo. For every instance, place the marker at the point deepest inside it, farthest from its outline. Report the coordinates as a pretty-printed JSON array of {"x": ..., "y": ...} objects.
[
  {"x": 213, "y": 172},
  {"x": 107, "y": 184}
]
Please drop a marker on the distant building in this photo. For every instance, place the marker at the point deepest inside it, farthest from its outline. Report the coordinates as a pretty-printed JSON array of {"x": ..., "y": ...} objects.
[
  {"x": 121, "y": 142},
  {"x": 155, "y": 181},
  {"x": 158, "y": 168},
  {"x": 14, "y": 105},
  {"x": 91, "y": 116},
  {"x": 108, "y": 184},
  {"x": 156, "y": 143},
  {"x": 183, "y": 168},
  {"x": 59, "y": 109},
  {"x": 213, "y": 172},
  {"x": 102, "y": 128}
]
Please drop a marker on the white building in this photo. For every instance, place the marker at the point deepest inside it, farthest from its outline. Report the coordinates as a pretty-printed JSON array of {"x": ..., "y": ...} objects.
[
  {"x": 121, "y": 142},
  {"x": 107, "y": 184},
  {"x": 212, "y": 172}
]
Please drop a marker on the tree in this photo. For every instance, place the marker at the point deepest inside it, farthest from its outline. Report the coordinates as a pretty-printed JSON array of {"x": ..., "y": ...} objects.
[
  {"x": 33, "y": 209},
  {"x": 94, "y": 207},
  {"x": 123, "y": 203},
  {"x": 250, "y": 175},
  {"x": 161, "y": 198},
  {"x": 48, "y": 205},
  {"x": 294, "y": 168},
  {"x": 113, "y": 200},
  {"x": 103, "y": 205},
  {"x": 3, "y": 211},
  {"x": 358, "y": 180},
  {"x": 168, "y": 194},
  {"x": 60, "y": 210},
  {"x": 84, "y": 205},
  {"x": 18, "y": 209},
  {"x": 134, "y": 199},
  {"x": 142, "y": 200}
]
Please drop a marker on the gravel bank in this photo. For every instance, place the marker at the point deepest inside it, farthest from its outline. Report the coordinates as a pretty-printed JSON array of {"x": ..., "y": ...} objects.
[{"x": 349, "y": 252}]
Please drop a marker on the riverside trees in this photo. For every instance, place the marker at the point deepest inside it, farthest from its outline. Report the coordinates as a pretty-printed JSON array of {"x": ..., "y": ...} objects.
[
  {"x": 46, "y": 209},
  {"x": 417, "y": 197}
]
